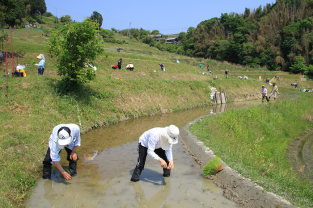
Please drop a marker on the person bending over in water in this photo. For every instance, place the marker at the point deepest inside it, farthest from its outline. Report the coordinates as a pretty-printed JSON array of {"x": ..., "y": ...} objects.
[
  {"x": 157, "y": 142},
  {"x": 65, "y": 136}
]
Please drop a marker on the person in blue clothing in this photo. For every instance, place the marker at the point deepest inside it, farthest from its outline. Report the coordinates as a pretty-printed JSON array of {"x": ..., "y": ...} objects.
[
  {"x": 41, "y": 64},
  {"x": 64, "y": 136},
  {"x": 157, "y": 142},
  {"x": 162, "y": 67}
]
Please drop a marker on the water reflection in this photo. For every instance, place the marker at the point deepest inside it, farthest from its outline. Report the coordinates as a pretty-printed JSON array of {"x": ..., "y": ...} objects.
[{"x": 158, "y": 199}]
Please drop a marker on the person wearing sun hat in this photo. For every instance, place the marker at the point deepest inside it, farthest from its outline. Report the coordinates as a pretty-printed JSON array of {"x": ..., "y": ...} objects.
[
  {"x": 65, "y": 136},
  {"x": 41, "y": 64},
  {"x": 157, "y": 142}
]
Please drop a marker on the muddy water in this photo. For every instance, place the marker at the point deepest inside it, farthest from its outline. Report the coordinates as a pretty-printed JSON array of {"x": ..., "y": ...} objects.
[{"x": 107, "y": 158}]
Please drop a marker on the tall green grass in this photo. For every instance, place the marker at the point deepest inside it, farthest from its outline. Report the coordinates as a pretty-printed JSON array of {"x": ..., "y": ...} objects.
[{"x": 255, "y": 142}]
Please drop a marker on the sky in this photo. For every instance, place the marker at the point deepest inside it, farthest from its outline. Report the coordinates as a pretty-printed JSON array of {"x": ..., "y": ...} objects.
[{"x": 169, "y": 17}]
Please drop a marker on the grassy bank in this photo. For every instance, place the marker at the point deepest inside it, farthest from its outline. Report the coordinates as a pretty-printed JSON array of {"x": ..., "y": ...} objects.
[{"x": 255, "y": 142}]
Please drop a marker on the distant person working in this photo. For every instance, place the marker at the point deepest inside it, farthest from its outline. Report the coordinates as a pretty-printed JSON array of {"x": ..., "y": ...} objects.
[
  {"x": 264, "y": 94},
  {"x": 130, "y": 66},
  {"x": 41, "y": 64},
  {"x": 64, "y": 136},
  {"x": 295, "y": 85},
  {"x": 274, "y": 91},
  {"x": 119, "y": 64},
  {"x": 156, "y": 142},
  {"x": 226, "y": 73},
  {"x": 162, "y": 67}
]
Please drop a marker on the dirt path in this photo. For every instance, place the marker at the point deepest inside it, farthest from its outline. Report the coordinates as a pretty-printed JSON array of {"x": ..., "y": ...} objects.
[{"x": 236, "y": 188}]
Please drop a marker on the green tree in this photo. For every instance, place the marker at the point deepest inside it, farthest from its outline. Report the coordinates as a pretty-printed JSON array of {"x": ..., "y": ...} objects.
[
  {"x": 142, "y": 34},
  {"x": 171, "y": 48},
  {"x": 38, "y": 5},
  {"x": 310, "y": 70},
  {"x": 75, "y": 45},
  {"x": 66, "y": 18},
  {"x": 104, "y": 32},
  {"x": 114, "y": 30},
  {"x": 298, "y": 66},
  {"x": 10, "y": 11},
  {"x": 96, "y": 16},
  {"x": 155, "y": 32}
]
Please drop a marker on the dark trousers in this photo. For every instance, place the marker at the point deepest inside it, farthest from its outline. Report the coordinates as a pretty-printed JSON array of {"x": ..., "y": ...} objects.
[
  {"x": 41, "y": 70},
  {"x": 265, "y": 98},
  {"x": 142, "y": 155},
  {"x": 47, "y": 161},
  {"x": 119, "y": 66}
]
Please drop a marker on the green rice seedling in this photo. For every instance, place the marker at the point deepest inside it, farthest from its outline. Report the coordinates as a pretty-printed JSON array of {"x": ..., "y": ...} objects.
[
  {"x": 188, "y": 196},
  {"x": 138, "y": 197},
  {"x": 213, "y": 166},
  {"x": 203, "y": 203}
]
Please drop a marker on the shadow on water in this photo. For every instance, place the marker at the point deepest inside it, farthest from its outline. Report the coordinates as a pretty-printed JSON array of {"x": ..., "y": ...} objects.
[{"x": 108, "y": 157}]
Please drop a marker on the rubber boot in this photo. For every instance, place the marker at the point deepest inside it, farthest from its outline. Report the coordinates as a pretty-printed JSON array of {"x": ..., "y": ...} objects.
[
  {"x": 136, "y": 175},
  {"x": 72, "y": 167},
  {"x": 166, "y": 172},
  {"x": 46, "y": 172}
]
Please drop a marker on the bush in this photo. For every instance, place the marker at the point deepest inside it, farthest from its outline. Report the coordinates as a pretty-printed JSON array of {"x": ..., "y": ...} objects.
[
  {"x": 213, "y": 167},
  {"x": 48, "y": 14},
  {"x": 298, "y": 66},
  {"x": 30, "y": 19}
]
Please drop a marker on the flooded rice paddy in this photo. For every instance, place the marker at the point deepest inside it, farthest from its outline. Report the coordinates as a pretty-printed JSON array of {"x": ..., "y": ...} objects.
[{"x": 107, "y": 158}]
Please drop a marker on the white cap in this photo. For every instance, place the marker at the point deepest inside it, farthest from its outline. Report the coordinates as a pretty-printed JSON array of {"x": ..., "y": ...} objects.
[
  {"x": 169, "y": 136},
  {"x": 64, "y": 136}
]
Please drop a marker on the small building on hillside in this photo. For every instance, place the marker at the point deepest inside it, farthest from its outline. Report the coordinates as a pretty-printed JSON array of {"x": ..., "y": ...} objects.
[
  {"x": 157, "y": 37},
  {"x": 172, "y": 41}
]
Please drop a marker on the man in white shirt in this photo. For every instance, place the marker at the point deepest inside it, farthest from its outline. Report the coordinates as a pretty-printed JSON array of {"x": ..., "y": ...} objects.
[
  {"x": 264, "y": 94},
  {"x": 157, "y": 142},
  {"x": 63, "y": 136}
]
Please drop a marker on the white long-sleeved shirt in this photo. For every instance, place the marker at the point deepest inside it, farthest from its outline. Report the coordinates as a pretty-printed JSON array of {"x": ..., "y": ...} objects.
[
  {"x": 53, "y": 140},
  {"x": 264, "y": 91},
  {"x": 151, "y": 140}
]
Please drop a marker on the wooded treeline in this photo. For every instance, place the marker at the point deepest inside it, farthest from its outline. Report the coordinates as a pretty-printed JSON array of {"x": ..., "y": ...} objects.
[
  {"x": 278, "y": 36},
  {"x": 13, "y": 12}
]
